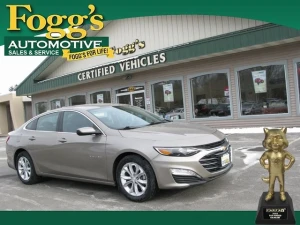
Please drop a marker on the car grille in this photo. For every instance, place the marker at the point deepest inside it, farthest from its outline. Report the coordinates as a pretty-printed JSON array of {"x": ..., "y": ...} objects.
[
  {"x": 212, "y": 145},
  {"x": 212, "y": 161},
  {"x": 186, "y": 179}
]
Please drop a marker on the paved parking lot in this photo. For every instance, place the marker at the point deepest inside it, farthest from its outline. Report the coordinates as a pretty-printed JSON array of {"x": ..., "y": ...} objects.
[{"x": 240, "y": 189}]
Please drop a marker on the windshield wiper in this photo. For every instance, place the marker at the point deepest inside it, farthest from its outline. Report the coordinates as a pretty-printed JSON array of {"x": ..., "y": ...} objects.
[
  {"x": 154, "y": 123},
  {"x": 128, "y": 128}
]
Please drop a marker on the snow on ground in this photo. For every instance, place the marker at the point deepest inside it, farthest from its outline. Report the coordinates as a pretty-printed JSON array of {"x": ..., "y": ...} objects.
[{"x": 255, "y": 130}]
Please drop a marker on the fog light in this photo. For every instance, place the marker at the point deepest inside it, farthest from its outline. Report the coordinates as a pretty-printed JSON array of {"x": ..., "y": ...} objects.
[{"x": 184, "y": 172}]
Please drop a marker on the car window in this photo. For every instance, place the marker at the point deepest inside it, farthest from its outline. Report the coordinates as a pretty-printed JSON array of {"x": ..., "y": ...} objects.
[
  {"x": 122, "y": 117},
  {"x": 72, "y": 121},
  {"x": 47, "y": 122},
  {"x": 31, "y": 125}
]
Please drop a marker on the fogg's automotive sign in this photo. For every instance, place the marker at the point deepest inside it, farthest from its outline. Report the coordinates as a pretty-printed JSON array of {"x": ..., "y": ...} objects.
[
  {"x": 57, "y": 40},
  {"x": 124, "y": 66}
]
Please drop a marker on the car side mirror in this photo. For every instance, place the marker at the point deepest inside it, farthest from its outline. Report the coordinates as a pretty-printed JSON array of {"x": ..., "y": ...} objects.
[{"x": 87, "y": 131}]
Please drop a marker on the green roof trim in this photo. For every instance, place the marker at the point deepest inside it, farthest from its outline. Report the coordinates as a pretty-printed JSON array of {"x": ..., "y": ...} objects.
[{"x": 226, "y": 42}]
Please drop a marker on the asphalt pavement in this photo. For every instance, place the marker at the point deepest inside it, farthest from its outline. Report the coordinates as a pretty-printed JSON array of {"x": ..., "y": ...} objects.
[{"x": 240, "y": 189}]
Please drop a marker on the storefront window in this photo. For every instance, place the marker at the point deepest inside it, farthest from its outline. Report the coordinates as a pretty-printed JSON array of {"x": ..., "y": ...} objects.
[
  {"x": 101, "y": 97},
  {"x": 263, "y": 90},
  {"x": 77, "y": 100},
  {"x": 210, "y": 95},
  {"x": 57, "y": 103},
  {"x": 168, "y": 99},
  {"x": 41, "y": 107}
]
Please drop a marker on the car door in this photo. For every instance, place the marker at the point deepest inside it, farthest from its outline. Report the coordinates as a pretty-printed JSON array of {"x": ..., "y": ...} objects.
[
  {"x": 40, "y": 138},
  {"x": 79, "y": 156}
]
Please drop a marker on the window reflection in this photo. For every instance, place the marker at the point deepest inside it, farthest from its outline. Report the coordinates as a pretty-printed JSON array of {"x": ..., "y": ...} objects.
[
  {"x": 41, "y": 107},
  {"x": 77, "y": 100},
  {"x": 57, "y": 103},
  {"x": 210, "y": 95},
  {"x": 101, "y": 97},
  {"x": 168, "y": 99},
  {"x": 263, "y": 90}
]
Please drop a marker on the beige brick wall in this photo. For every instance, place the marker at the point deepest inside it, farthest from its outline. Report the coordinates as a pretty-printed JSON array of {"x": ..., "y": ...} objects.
[
  {"x": 16, "y": 110},
  {"x": 284, "y": 53}
]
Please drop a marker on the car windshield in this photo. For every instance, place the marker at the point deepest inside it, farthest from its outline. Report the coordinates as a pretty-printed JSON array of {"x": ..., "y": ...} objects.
[{"x": 125, "y": 117}]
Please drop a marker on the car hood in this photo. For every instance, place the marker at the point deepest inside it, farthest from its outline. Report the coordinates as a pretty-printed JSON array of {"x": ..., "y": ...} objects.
[{"x": 175, "y": 134}]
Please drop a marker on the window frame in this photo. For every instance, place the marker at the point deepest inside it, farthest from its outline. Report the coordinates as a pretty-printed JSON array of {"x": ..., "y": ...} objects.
[
  {"x": 89, "y": 94},
  {"x": 152, "y": 104},
  {"x": 191, "y": 100},
  {"x": 61, "y": 118},
  {"x": 35, "y": 107},
  {"x": 114, "y": 96},
  {"x": 77, "y": 94},
  {"x": 238, "y": 93},
  {"x": 297, "y": 89}
]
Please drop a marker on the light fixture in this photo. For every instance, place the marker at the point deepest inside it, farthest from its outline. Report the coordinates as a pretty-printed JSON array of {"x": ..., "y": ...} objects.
[{"x": 127, "y": 77}]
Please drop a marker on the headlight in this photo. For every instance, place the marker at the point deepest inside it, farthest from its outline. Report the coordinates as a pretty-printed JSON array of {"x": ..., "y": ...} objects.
[{"x": 177, "y": 151}]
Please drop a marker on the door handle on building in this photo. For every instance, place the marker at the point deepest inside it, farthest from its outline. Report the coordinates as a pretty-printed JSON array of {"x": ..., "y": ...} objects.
[
  {"x": 32, "y": 138},
  {"x": 63, "y": 140}
]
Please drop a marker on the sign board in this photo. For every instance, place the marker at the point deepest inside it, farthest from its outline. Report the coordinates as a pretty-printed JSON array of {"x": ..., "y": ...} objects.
[
  {"x": 259, "y": 81},
  {"x": 226, "y": 92},
  {"x": 168, "y": 93},
  {"x": 57, "y": 104},
  {"x": 100, "y": 98}
]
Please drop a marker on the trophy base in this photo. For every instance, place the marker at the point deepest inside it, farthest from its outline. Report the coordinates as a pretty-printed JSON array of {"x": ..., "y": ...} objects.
[{"x": 275, "y": 211}]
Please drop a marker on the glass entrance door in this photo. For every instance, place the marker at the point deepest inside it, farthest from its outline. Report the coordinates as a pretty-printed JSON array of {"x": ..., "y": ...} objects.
[
  {"x": 132, "y": 96},
  {"x": 124, "y": 99},
  {"x": 138, "y": 99}
]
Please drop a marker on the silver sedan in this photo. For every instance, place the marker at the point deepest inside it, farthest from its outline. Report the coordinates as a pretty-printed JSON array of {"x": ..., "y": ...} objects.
[{"x": 117, "y": 145}]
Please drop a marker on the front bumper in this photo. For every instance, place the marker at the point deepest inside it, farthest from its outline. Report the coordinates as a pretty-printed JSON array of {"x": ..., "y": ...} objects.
[{"x": 199, "y": 164}]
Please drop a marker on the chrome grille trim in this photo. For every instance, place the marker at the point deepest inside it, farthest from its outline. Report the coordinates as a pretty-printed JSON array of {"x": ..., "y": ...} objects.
[
  {"x": 212, "y": 161},
  {"x": 212, "y": 146}
]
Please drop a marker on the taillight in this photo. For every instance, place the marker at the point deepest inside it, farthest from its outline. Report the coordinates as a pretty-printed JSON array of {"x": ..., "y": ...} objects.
[{"x": 7, "y": 139}]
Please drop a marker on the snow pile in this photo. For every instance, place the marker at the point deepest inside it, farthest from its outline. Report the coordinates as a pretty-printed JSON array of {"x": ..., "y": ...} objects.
[{"x": 255, "y": 130}]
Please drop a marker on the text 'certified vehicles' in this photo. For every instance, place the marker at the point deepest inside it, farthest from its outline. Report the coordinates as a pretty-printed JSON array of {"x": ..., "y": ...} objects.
[{"x": 120, "y": 145}]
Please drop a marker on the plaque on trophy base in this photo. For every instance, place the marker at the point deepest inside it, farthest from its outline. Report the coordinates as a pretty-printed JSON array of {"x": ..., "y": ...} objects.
[{"x": 275, "y": 211}]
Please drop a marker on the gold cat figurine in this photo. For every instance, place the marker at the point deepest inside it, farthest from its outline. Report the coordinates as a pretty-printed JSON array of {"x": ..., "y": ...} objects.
[{"x": 276, "y": 142}]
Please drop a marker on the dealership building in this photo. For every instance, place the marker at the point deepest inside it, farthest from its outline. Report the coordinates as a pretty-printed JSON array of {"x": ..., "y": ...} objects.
[{"x": 218, "y": 71}]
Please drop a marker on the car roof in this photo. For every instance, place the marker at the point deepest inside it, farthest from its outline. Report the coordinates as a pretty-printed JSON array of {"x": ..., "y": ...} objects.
[{"x": 83, "y": 107}]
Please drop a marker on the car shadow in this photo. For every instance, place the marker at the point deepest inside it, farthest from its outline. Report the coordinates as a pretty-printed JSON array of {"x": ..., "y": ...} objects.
[{"x": 93, "y": 188}]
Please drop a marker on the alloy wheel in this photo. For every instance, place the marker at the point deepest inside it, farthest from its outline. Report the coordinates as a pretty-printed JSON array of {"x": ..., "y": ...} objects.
[
  {"x": 134, "y": 179},
  {"x": 24, "y": 168}
]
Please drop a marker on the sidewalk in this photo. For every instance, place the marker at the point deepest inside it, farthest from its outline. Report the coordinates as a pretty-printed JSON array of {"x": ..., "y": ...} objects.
[{"x": 255, "y": 130}]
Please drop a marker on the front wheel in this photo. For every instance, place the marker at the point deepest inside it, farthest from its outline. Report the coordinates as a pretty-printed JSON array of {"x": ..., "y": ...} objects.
[
  {"x": 25, "y": 169},
  {"x": 136, "y": 179}
]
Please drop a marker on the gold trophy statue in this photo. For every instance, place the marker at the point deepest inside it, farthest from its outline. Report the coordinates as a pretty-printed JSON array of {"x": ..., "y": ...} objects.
[{"x": 274, "y": 207}]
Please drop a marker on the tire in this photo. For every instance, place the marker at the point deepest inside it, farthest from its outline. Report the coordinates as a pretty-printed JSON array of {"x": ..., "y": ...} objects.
[
  {"x": 145, "y": 174},
  {"x": 32, "y": 177}
]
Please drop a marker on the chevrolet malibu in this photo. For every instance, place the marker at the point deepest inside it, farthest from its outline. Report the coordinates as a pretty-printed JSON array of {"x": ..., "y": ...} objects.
[{"x": 117, "y": 145}]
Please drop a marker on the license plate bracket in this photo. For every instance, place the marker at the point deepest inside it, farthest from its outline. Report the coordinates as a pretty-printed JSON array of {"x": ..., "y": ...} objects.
[{"x": 225, "y": 159}]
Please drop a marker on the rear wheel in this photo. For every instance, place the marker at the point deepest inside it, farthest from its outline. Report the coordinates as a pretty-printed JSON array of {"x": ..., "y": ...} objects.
[
  {"x": 136, "y": 179},
  {"x": 25, "y": 169}
]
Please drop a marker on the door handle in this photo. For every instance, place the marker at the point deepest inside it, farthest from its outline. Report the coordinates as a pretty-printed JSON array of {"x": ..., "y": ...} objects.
[
  {"x": 63, "y": 140},
  {"x": 32, "y": 138}
]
